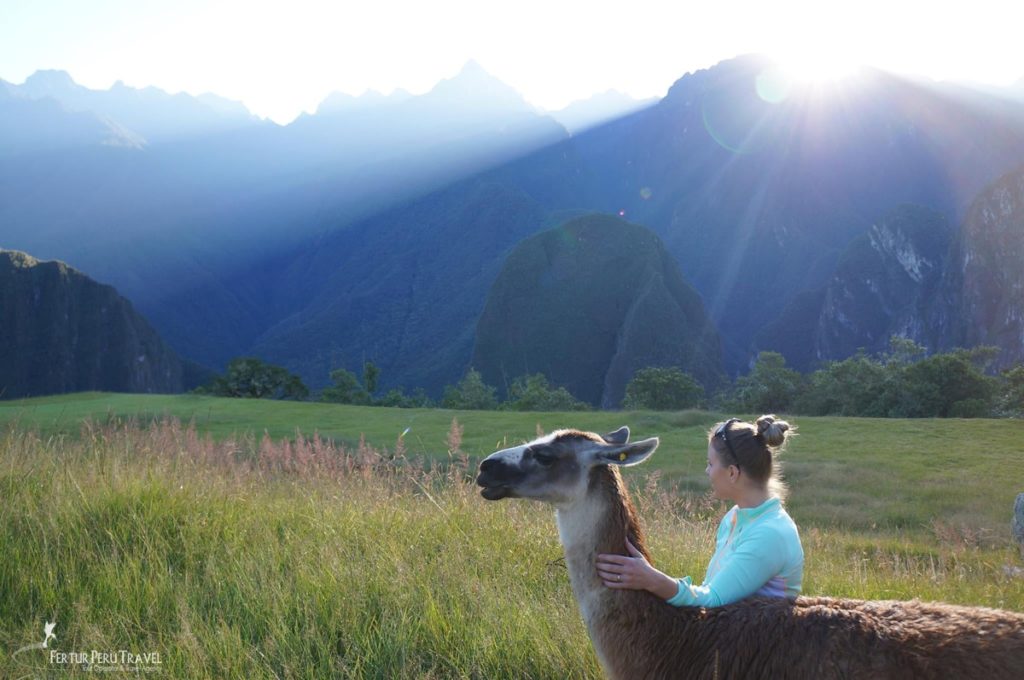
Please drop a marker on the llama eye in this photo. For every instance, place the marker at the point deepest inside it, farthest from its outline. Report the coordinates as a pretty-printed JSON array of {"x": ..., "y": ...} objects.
[{"x": 544, "y": 459}]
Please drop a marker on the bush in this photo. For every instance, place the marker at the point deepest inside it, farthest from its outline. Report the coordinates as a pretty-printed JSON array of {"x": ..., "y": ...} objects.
[
  {"x": 934, "y": 385},
  {"x": 533, "y": 393},
  {"x": 845, "y": 388},
  {"x": 663, "y": 389},
  {"x": 1010, "y": 399},
  {"x": 770, "y": 387},
  {"x": 904, "y": 383},
  {"x": 396, "y": 398},
  {"x": 252, "y": 378},
  {"x": 471, "y": 393},
  {"x": 345, "y": 390}
]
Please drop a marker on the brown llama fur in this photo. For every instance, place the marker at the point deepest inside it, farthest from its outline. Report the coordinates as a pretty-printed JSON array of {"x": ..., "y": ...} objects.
[
  {"x": 638, "y": 636},
  {"x": 814, "y": 637}
]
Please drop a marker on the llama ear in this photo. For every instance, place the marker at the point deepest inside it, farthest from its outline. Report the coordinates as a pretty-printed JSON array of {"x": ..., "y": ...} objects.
[
  {"x": 626, "y": 454},
  {"x": 620, "y": 436}
]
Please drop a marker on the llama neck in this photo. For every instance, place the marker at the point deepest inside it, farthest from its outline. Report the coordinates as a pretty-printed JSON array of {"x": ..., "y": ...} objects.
[{"x": 597, "y": 523}]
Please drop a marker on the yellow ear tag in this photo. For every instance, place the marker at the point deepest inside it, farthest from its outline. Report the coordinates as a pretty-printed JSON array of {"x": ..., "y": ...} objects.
[{"x": 622, "y": 456}]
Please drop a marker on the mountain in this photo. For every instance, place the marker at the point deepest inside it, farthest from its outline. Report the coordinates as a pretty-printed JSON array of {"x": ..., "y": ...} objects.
[
  {"x": 587, "y": 113},
  {"x": 914, "y": 275},
  {"x": 986, "y": 273},
  {"x": 756, "y": 199},
  {"x": 885, "y": 283},
  {"x": 150, "y": 112},
  {"x": 402, "y": 289},
  {"x": 45, "y": 126},
  {"x": 202, "y": 213},
  {"x": 378, "y": 233},
  {"x": 588, "y": 304},
  {"x": 62, "y": 332},
  {"x": 341, "y": 103}
]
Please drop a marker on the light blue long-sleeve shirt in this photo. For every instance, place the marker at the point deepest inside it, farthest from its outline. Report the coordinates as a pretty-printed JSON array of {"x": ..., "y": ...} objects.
[{"x": 757, "y": 552}]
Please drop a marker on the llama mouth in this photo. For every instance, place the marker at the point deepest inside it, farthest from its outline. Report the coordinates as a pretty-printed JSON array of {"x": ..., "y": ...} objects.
[{"x": 495, "y": 493}]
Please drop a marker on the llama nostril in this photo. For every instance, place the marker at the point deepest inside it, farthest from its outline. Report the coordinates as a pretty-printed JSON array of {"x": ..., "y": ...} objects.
[{"x": 487, "y": 465}]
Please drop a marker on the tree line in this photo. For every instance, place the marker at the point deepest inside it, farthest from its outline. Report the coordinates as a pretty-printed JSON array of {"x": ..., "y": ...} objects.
[{"x": 903, "y": 382}]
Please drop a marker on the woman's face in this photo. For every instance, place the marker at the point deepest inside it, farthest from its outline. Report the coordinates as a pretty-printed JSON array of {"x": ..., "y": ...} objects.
[{"x": 718, "y": 475}]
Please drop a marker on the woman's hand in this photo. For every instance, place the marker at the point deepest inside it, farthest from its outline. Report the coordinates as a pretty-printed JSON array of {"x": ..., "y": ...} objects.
[{"x": 634, "y": 572}]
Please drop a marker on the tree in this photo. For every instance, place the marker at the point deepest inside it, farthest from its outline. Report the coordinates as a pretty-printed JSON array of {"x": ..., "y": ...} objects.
[
  {"x": 904, "y": 383},
  {"x": 853, "y": 387},
  {"x": 769, "y": 387},
  {"x": 345, "y": 390},
  {"x": 950, "y": 385},
  {"x": 533, "y": 393},
  {"x": 252, "y": 378},
  {"x": 1010, "y": 401},
  {"x": 370, "y": 374},
  {"x": 295, "y": 389},
  {"x": 395, "y": 397},
  {"x": 662, "y": 389},
  {"x": 471, "y": 393}
]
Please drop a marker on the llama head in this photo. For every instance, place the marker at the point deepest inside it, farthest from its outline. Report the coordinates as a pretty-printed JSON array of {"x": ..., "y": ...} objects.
[{"x": 556, "y": 468}]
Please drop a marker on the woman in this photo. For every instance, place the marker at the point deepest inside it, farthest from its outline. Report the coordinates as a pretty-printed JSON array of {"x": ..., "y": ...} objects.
[{"x": 758, "y": 549}]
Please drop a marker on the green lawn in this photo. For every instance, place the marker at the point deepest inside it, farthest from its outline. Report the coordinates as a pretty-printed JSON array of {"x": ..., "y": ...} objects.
[
  {"x": 242, "y": 556},
  {"x": 843, "y": 472},
  {"x": 484, "y": 430}
]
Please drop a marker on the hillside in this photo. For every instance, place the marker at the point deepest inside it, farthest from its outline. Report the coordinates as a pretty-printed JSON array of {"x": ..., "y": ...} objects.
[
  {"x": 60, "y": 331},
  {"x": 588, "y": 304},
  {"x": 915, "y": 275},
  {"x": 986, "y": 273},
  {"x": 886, "y": 282}
]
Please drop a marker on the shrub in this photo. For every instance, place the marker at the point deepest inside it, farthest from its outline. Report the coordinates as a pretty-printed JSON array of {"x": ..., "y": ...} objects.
[
  {"x": 663, "y": 389},
  {"x": 769, "y": 387},
  {"x": 471, "y": 393},
  {"x": 345, "y": 390},
  {"x": 533, "y": 393},
  {"x": 251, "y": 378}
]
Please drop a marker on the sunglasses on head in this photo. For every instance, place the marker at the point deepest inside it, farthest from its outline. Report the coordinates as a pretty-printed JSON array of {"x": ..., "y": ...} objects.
[{"x": 721, "y": 432}]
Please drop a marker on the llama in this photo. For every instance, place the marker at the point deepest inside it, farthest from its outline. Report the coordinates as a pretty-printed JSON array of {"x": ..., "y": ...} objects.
[{"x": 637, "y": 635}]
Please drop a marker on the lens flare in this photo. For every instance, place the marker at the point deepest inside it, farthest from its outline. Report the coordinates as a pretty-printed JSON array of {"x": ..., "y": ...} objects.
[{"x": 773, "y": 85}]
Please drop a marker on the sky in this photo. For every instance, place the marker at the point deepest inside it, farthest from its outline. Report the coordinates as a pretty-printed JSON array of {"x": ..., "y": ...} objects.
[{"x": 282, "y": 58}]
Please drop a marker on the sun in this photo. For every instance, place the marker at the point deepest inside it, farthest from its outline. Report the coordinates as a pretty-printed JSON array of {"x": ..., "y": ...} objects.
[
  {"x": 815, "y": 67},
  {"x": 804, "y": 72}
]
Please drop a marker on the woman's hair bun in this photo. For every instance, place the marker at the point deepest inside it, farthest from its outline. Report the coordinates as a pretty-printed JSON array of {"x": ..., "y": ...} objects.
[{"x": 773, "y": 431}]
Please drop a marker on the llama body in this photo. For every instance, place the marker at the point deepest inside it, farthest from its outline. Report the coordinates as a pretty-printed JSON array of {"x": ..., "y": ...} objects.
[{"x": 637, "y": 635}]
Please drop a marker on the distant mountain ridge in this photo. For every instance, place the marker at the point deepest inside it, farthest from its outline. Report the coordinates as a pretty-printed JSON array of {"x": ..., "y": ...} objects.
[
  {"x": 62, "y": 332},
  {"x": 150, "y": 112},
  {"x": 579, "y": 116}
]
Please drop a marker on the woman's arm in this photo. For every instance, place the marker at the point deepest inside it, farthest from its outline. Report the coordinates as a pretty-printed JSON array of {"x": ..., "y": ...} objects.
[
  {"x": 754, "y": 562},
  {"x": 634, "y": 573}
]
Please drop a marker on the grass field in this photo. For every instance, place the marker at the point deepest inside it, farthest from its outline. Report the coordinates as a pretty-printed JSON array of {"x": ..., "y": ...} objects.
[{"x": 237, "y": 554}]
